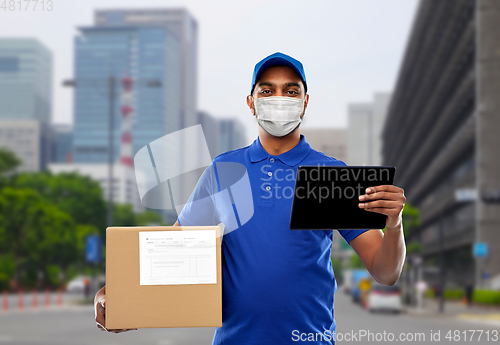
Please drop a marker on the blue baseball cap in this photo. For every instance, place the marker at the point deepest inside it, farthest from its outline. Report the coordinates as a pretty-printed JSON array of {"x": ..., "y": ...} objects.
[{"x": 278, "y": 59}]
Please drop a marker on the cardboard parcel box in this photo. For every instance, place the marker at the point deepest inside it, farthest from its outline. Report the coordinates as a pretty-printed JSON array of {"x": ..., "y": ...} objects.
[{"x": 165, "y": 276}]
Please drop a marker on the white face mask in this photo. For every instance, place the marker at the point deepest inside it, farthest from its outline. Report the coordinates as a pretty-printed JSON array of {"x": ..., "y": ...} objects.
[{"x": 278, "y": 115}]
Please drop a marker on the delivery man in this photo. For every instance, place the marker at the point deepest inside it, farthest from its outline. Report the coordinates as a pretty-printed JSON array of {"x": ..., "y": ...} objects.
[{"x": 278, "y": 284}]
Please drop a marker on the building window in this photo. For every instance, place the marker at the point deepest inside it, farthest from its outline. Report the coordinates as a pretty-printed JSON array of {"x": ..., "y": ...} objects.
[{"x": 9, "y": 64}]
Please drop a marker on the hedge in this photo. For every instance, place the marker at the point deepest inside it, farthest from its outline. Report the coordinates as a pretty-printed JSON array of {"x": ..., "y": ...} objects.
[
  {"x": 449, "y": 294},
  {"x": 486, "y": 297},
  {"x": 454, "y": 294}
]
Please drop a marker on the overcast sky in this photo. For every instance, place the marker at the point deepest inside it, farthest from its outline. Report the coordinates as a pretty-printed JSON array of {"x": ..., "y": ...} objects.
[{"x": 350, "y": 49}]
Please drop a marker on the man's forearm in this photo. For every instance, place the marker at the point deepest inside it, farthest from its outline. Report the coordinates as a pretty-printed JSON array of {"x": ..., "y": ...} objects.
[{"x": 389, "y": 259}]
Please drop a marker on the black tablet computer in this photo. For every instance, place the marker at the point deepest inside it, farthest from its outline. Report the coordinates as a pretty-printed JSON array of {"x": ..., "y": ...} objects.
[{"x": 326, "y": 197}]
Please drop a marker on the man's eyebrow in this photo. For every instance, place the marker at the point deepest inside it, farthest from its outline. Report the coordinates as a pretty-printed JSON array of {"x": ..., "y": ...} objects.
[
  {"x": 265, "y": 83},
  {"x": 292, "y": 84},
  {"x": 289, "y": 84}
]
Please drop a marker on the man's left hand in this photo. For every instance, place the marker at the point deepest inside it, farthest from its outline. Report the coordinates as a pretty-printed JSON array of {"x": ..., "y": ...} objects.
[{"x": 385, "y": 199}]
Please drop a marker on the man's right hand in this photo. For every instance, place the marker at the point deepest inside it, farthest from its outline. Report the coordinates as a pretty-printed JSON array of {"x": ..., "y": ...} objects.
[{"x": 100, "y": 312}]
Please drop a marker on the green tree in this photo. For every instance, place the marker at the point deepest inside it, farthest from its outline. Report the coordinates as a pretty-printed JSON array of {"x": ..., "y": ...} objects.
[
  {"x": 123, "y": 215},
  {"x": 79, "y": 196},
  {"x": 355, "y": 262},
  {"x": 7, "y": 270},
  {"x": 148, "y": 217},
  {"x": 411, "y": 218},
  {"x": 82, "y": 231},
  {"x": 8, "y": 161},
  {"x": 338, "y": 269},
  {"x": 33, "y": 232}
]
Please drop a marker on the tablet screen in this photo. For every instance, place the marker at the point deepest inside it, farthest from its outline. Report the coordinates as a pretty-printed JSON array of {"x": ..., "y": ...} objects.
[{"x": 326, "y": 197}]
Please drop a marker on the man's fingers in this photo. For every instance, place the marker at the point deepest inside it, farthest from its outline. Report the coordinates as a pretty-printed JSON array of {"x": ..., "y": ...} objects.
[
  {"x": 381, "y": 204},
  {"x": 383, "y": 195},
  {"x": 102, "y": 307},
  {"x": 379, "y": 195},
  {"x": 384, "y": 188},
  {"x": 101, "y": 327}
]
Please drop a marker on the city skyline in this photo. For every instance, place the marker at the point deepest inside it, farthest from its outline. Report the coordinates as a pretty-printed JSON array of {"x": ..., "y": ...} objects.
[{"x": 227, "y": 57}]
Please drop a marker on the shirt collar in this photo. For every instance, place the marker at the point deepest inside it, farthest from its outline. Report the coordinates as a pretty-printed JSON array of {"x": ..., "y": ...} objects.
[{"x": 291, "y": 157}]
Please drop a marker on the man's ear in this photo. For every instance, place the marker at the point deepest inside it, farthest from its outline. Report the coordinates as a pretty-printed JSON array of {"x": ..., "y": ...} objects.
[
  {"x": 306, "y": 101},
  {"x": 250, "y": 104}
]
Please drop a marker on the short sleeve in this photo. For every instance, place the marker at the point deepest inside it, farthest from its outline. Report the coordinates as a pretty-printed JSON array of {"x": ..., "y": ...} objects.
[
  {"x": 350, "y": 235},
  {"x": 200, "y": 208}
]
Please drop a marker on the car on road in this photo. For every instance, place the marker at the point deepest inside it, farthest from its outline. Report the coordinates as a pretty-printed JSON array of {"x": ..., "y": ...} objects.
[
  {"x": 384, "y": 298},
  {"x": 76, "y": 285}
]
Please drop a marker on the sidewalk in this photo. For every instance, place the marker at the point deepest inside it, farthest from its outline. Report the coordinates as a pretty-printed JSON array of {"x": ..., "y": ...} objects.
[{"x": 483, "y": 314}]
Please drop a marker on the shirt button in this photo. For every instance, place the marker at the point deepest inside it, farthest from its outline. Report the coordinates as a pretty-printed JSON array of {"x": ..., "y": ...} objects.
[
  {"x": 272, "y": 161},
  {"x": 269, "y": 174},
  {"x": 268, "y": 188}
]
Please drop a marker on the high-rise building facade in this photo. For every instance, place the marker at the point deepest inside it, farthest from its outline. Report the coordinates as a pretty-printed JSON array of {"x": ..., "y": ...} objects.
[
  {"x": 331, "y": 141},
  {"x": 26, "y": 100},
  {"x": 211, "y": 131},
  {"x": 232, "y": 135},
  {"x": 151, "y": 56},
  {"x": 365, "y": 123},
  {"x": 62, "y": 143},
  {"x": 25, "y": 80},
  {"x": 28, "y": 140},
  {"x": 223, "y": 134},
  {"x": 184, "y": 27},
  {"x": 442, "y": 135}
]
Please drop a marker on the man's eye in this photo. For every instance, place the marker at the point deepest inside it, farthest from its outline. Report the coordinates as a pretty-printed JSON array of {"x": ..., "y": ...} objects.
[
  {"x": 265, "y": 91},
  {"x": 293, "y": 92}
]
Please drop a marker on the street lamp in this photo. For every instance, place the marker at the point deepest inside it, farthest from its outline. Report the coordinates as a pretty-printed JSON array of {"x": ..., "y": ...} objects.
[{"x": 111, "y": 81}]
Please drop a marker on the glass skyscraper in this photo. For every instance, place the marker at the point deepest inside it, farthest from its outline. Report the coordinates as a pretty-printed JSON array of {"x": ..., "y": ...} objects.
[
  {"x": 149, "y": 45},
  {"x": 26, "y": 100},
  {"x": 185, "y": 28},
  {"x": 25, "y": 80},
  {"x": 142, "y": 53}
]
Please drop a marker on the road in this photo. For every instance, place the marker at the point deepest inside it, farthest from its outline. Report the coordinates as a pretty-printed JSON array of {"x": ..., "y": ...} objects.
[
  {"x": 352, "y": 318},
  {"x": 75, "y": 325}
]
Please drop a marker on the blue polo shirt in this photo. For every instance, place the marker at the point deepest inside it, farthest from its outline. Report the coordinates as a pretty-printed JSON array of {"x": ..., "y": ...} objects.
[{"x": 278, "y": 284}]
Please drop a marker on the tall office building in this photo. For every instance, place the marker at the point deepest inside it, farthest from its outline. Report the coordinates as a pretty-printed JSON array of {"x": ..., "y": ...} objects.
[
  {"x": 331, "y": 141},
  {"x": 442, "y": 135},
  {"x": 25, "y": 80},
  {"x": 222, "y": 135},
  {"x": 211, "y": 130},
  {"x": 365, "y": 123},
  {"x": 62, "y": 143},
  {"x": 154, "y": 47},
  {"x": 184, "y": 27},
  {"x": 232, "y": 135},
  {"x": 151, "y": 56},
  {"x": 26, "y": 100},
  {"x": 28, "y": 140}
]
